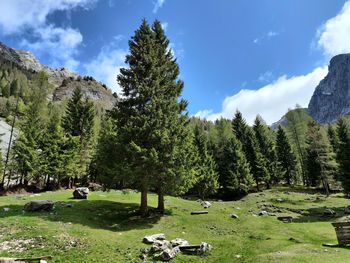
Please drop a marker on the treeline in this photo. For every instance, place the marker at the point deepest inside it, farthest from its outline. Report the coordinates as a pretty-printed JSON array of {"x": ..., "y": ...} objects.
[{"x": 52, "y": 143}]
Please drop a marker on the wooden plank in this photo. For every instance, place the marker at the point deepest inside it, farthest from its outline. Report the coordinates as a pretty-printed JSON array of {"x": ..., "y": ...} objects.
[
  {"x": 199, "y": 212},
  {"x": 341, "y": 224},
  {"x": 189, "y": 247}
]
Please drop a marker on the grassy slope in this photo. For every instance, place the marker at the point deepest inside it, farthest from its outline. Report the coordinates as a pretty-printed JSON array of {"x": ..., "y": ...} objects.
[{"x": 106, "y": 230}]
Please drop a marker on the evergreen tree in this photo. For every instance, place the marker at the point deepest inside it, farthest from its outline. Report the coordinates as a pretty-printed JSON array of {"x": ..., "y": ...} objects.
[
  {"x": 297, "y": 127},
  {"x": 343, "y": 154},
  {"x": 26, "y": 147},
  {"x": 51, "y": 156},
  {"x": 71, "y": 122},
  {"x": 207, "y": 180},
  {"x": 249, "y": 145},
  {"x": 285, "y": 156},
  {"x": 320, "y": 165},
  {"x": 234, "y": 169},
  {"x": 106, "y": 154},
  {"x": 332, "y": 136},
  {"x": 79, "y": 122},
  {"x": 149, "y": 120},
  {"x": 266, "y": 147}
]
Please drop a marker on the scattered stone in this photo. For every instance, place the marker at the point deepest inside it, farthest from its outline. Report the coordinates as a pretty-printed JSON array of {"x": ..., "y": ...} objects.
[
  {"x": 95, "y": 187},
  {"x": 234, "y": 216},
  {"x": 220, "y": 201},
  {"x": 206, "y": 204},
  {"x": 238, "y": 256},
  {"x": 347, "y": 210},
  {"x": 81, "y": 193},
  {"x": 167, "y": 254},
  {"x": 38, "y": 205},
  {"x": 152, "y": 238},
  {"x": 263, "y": 213},
  {"x": 280, "y": 200},
  {"x": 329, "y": 212},
  {"x": 179, "y": 242},
  {"x": 160, "y": 245},
  {"x": 6, "y": 209},
  {"x": 204, "y": 249}
]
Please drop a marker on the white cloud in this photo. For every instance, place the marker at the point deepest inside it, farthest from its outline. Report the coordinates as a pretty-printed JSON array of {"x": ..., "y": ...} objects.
[
  {"x": 16, "y": 15},
  {"x": 270, "y": 101},
  {"x": 334, "y": 35},
  {"x": 164, "y": 26},
  {"x": 266, "y": 76},
  {"x": 273, "y": 100},
  {"x": 272, "y": 33},
  {"x": 256, "y": 41},
  {"x": 105, "y": 67},
  {"x": 158, "y": 4},
  {"x": 59, "y": 43},
  {"x": 30, "y": 18}
]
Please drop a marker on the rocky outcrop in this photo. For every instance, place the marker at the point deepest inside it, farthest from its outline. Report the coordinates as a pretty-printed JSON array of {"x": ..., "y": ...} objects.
[
  {"x": 63, "y": 81},
  {"x": 38, "y": 205},
  {"x": 332, "y": 96}
]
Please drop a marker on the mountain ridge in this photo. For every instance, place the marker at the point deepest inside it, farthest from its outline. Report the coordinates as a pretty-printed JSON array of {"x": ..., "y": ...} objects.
[{"x": 63, "y": 80}]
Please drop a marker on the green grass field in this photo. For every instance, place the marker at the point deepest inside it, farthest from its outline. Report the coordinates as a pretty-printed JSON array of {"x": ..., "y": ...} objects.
[{"x": 104, "y": 228}]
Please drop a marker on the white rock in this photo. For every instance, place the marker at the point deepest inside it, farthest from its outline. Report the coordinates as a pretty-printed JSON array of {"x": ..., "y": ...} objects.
[
  {"x": 152, "y": 238},
  {"x": 179, "y": 242}
]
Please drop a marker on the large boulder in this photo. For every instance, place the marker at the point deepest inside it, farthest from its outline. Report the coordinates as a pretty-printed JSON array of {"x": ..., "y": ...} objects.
[
  {"x": 153, "y": 238},
  {"x": 81, "y": 193},
  {"x": 38, "y": 205},
  {"x": 95, "y": 187}
]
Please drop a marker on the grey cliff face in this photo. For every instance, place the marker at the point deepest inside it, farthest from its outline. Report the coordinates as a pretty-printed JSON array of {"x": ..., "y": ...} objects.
[{"x": 332, "y": 96}]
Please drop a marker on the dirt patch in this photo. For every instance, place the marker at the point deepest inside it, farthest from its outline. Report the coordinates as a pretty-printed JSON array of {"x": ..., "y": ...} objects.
[{"x": 21, "y": 244}]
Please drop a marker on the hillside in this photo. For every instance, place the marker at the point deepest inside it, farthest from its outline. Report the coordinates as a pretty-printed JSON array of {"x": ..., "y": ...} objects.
[
  {"x": 62, "y": 80},
  {"x": 105, "y": 229}
]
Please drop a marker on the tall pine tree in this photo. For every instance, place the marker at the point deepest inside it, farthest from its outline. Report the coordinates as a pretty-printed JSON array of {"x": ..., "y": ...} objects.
[
  {"x": 149, "y": 119},
  {"x": 343, "y": 154},
  {"x": 285, "y": 156}
]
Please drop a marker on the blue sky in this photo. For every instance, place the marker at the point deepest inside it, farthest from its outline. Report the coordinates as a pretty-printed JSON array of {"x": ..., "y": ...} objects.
[{"x": 260, "y": 56}]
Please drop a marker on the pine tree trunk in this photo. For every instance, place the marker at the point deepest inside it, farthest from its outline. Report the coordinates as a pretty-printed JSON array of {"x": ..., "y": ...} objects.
[
  {"x": 48, "y": 182},
  {"x": 144, "y": 205},
  {"x": 257, "y": 185},
  {"x": 160, "y": 207}
]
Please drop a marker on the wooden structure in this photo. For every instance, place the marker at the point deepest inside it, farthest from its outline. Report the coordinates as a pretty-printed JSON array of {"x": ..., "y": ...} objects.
[
  {"x": 342, "y": 229},
  {"x": 199, "y": 212}
]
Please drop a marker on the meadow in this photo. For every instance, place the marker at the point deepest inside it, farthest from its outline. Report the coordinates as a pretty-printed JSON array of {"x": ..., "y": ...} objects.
[{"x": 106, "y": 228}]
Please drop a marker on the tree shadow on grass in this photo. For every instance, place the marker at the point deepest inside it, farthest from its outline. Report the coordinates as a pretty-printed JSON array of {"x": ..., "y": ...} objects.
[
  {"x": 97, "y": 214},
  {"x": 316, "y": 214}
]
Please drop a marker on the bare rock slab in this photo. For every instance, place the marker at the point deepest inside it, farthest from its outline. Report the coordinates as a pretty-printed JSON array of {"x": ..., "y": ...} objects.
[{"x": 38, "y": 205}]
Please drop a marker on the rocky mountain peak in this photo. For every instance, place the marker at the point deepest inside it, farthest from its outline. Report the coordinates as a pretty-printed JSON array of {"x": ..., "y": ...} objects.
[
  {"x": 331, "y": 97},
  {"x": 62, "y": 79}
]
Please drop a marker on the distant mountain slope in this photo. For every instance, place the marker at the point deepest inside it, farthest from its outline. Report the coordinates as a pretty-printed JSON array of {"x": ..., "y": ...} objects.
[
  {"x": 63, "y": 80},
  {"x": 332, "y": 96}
]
